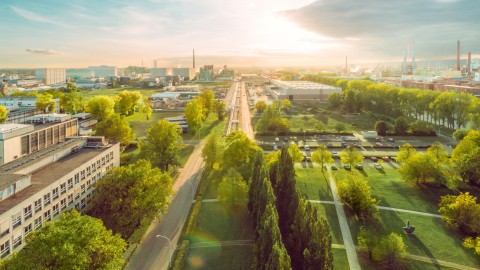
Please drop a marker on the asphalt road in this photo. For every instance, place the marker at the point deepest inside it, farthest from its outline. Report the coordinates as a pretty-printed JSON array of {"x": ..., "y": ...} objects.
[
  {"x": 245, "y": 120},
  {"x": 154, "y": 252}
]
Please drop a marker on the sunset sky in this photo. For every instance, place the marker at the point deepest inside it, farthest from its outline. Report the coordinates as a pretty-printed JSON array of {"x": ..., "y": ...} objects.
[{"x": 238, "y": 33}]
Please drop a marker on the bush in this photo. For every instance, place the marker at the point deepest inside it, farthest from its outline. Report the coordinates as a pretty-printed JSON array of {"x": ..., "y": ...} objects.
[
  {"x": 355, "y": 194},
  {"x": 390, "y": 251},
  {"x": 461, "y": 212},
  {"x": 181, "y": 257}
]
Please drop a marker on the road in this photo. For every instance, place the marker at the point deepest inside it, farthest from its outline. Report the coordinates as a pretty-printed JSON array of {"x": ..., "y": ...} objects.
[
  {"x": 244, "y": 118},
  {"x": 154, "y": 253}
]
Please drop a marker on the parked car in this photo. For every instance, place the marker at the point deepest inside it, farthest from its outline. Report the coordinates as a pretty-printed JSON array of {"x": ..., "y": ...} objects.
[
  {"x": 329, "y": 144},
  {"x": 347, "y": 166},
  {"x": 344, "y": 144},
  {"x": 277, "y": 139},
  {"x": 386, "y": 159},
  {"x": 377, "y": 166},
  {"x": 359, "y": 166},
  {"x": 335, "y": 154},
  {"x": 334, "y": 167},
  {"x": 275, "y": 148},
  {"x": 393, "y": 159},
  {"x": 391, "y": 139},
  {"x": 285, "y": 139},
  {"x": 374, "y": 159},
  {"x": 306, "y": 147},
  {"x": 378, "y": 144}
]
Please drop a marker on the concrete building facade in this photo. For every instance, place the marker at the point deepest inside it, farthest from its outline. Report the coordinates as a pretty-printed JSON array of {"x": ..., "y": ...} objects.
[
  {"x": 51, "y": 76},
  {"x": 187, "y": 73},
  {"x": 300, "y": 90},
  {"x": 104, "y": 71}
]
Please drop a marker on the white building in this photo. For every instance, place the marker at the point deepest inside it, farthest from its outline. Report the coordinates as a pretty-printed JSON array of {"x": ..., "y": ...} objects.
[
  {"x": 301, "y": 90},
  {"x": 51, "y": 76},
  {"x": 160, "y": 72},
  {"x": 187, "y": 73},
  {"x": 103, "y": 71},
  {"x": 13, "y": 103},
  {"x": 58, "y": 176}
]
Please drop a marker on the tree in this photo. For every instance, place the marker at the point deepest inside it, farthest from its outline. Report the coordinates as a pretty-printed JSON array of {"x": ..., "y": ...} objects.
[
  {"x": 126, "y": 102},
  {"x": 367, "y": 239},
  {"x": 146, "y": 108},
  {"x": 466, "y": 155},
  {"x": 3, "y": 114},
  {"x": 322, "y": 156},
  {"x": 219, "y": 107},
  {"x": 260, "y": 106},
  {"x": 162, "y": 144},
  {"x": 461, "y": 212},
  {"x": 286, "y": 104},
  {"x": 72, "y": 102},
  {"x": 351, "y": 156},
  {"x": 207, "y": 99},
  {"x": 100, "y": 107},
  {"x": 354, "y": 192},
  {"x": 381, "y": 127},
  {"x": 194, "y": 115},
  {"x": 295, "y": 153},
  {"x": 438, "y": 153},
  {"x": 232, "y": 188},
  {"x": 212, "y": 152},
  {"x": 239, "y": 153},
  {"x": 335, "y": 100},
  {"x": 339, "y": 127},
  {"x": 272, "y": 120},
  {"x": 115, "y": 128},
  {"x": 421, "y": 128},
  {"x": 129, "y": 194},
  {"x": 421, "y": 168},
  {"x": 459, "y": 134},
  {"x": 74, "y": 241},
  {"x": 45, "y": 103},
  {"x": 473, "y": 243},
  {"x": 406, "y": 151},
  {"x": 390, "y": 251},
  {"x": 401, "y": 125}
]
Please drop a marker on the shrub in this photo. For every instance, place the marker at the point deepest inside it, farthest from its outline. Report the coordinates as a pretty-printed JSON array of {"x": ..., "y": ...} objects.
[
  {"x": 355, "y": 194},
  {"x": 390, "y": 251}
]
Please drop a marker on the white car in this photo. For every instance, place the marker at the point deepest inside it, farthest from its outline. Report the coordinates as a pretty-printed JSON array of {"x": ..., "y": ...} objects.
[
  {"x": 377, "y": 166},
  {"x": 306, "y": 147},
  {"x": 275, "y": 148},
  {"x": 277, "y": 139}
]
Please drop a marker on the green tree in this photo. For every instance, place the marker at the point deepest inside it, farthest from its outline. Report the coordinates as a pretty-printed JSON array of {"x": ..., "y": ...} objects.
[
  {"x": 239, "y": 153},
  {"x": 406, "y": 151},
  {"x": 207, "y": 99},
  {"x": 322, "y": 156},
  {"x": 272, "y": 120},
  {"x": 473, "y": 243},
  {"x": 146, "y": 108},
  {"x": 194, "y": 115},
  {"x": 72, "y": 102},
  {"x": 3, "y": 114},
  {"x": 295, "y": 153},
  {"x": 73, "y": 241},
  {"x": 335, "y": 100},
  {"x": 351, "y": 156},
  {"x": 212, "y": 152},
  {"x": 438, "y": 152},
  {"x": 260, "y": 106},
  {"x": 421, "y": 168},
  {"x": 391, "y": 251},
  {"x": 127, "y": 195},
  {"x": 459, "y": 134},
  {"x": 421, "y": 128},
  {"x": 286, "y": 104},
  {"x": 339, "y": 127},
  {"x": 162, "y": 144},
  {"x": 368, "y": 240},
  {"x": 100, "y": 107},
  {"x": 115, "y": 128},
  {"x": 46, "y": 103},
  {"x": 354, "y": 192},
  {"x": 233, "y": 188},
  {"x": 381, "y": 127},
  {"x": 466, "y": 156},
  {"x": 401, "y": 126},
  {"x": 219, "y": 107},
  {"x": 461, "y": 212},
  {"x": 127, "y": 101}
]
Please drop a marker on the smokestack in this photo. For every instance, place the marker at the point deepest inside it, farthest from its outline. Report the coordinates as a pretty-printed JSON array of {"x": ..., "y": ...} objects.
[
  {"x": 413, "y": 61},
  {"x": 404, "y": 69},
  {"x": 458, "y": 55},
  {"x": 469, "y": 62},
  {"x": 194, "y": 58}
]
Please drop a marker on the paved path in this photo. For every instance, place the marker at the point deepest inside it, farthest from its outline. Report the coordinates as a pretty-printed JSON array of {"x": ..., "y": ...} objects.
[
  {"x": 342, "y": 220},
  {"x": 387, "y": 208}
]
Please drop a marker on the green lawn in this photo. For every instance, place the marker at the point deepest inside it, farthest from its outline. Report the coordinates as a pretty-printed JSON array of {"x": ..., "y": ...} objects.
[
  {"x": 312, "y": 183},
  {"x": 340, "y": 260},
  {"x": 221, "y": 222},
  {"x": 139, "y": 123},
  {"x": 328, "y": 212}
]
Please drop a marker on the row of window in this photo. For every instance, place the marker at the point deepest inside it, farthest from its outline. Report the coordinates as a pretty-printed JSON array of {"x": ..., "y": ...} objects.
[{"x": 43, "y": 138}]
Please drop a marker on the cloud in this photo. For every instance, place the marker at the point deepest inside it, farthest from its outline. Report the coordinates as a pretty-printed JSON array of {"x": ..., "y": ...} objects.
[
  {"x": 31, "y": 16},
  {"x": 43, "y": 51},
  {"x": 386, "y": 27}
]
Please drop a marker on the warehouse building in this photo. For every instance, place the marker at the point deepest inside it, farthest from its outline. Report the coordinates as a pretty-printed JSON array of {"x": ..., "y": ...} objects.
[{"x": 300, "y": 90}]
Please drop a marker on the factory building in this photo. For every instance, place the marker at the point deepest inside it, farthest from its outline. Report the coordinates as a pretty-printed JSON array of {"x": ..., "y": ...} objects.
[{"x": 300, "y": 90}]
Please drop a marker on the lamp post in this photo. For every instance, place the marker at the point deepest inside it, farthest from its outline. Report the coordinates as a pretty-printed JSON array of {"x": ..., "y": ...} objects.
[{"x": 169, "y": 247}]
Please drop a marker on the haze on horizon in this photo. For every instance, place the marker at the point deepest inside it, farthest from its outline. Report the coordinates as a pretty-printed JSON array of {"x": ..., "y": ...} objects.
[{"x": 239, "y": 33}]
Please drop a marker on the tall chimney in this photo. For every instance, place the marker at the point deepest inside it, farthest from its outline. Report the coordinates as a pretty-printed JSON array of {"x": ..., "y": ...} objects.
[
  {"x": 469, "y": 62},
  {"x": 194, "y": 58},
  {"x": 458, "y": 55},
  {"x": 413, "y": 61},
  {"x": 404, "y": 69}
]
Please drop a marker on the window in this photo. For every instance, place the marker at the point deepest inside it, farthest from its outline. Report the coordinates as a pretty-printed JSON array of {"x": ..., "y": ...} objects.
[
  {"x": 77, "y": 206},
  {"x": 63, "y": 203},
  {"x": 5, "y": 249},
  {"x": 70, "y": 199},
  {"x": 27, "y": 229},
  {"x": 89, "y": 183},
  {"x": 70, "y": 183},
  {"x": 77, "y": 179},
  {"x": 55, "y": 210},
  {"x": 83, "y": 203},
  {"x": 107, "y": 157},
  {"x": 82, "y": 175},
  {"x": 98, "y": 163},
  {"x": 94, "y": 168},
  {"x": 17, "y": 220},
  {"x": 55, "y": 193},
  {"x": 63, "y": 188},
  {"x": 17, "y": 241},
  {"x": 103, "y": 160},
  {"x": 37, "y": 223},
  {"x": 27, "y": 212},
  {"x": 4, "y": 228},
  {"x": 38, "y": 205},
  {"x": 25, "y": 148},
  {"x": 83, "y": 189},
  {"x": 46, "y": 199},
  {"x": 77, "y": 194},
  {"x": 47, "y": 216},
  {"x": 89, "y": 171},
  {"x": 34, "y": 141},
  {"x": 111, "y": 155}
]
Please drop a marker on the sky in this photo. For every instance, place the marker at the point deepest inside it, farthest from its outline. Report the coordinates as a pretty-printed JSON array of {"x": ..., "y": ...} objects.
[{"x": 81, "y": 33}]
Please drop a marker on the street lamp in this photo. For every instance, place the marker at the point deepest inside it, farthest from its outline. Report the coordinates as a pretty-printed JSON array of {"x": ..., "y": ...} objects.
[{"x": 169, "y": 247}]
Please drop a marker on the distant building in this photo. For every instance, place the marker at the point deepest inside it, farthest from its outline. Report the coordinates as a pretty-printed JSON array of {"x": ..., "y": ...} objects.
[
  {"x": 225, "y": 74},
  {"x": 16, "y": 103},
  {"x": 80, "y": 73},
  {"x": 300, "y": 90},
  {"x": 51, "y": 76},
  {"x": 103, "y": 71},
  {"x": 160, "y": 72},
  {"x": 186, "y": 73},
  {"x": 206, "y": 74}
]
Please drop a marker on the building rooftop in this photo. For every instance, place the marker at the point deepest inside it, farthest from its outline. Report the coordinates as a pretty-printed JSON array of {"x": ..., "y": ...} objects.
[
  {"x": 302, "y": 85},
  {"x": 7, "y": 128},
  {"x": 49, "y": 174},
  {"x": 6, "y": 179}
]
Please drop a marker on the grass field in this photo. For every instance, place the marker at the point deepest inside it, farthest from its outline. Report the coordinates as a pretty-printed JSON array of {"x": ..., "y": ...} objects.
[
  {"x": 139, "y": 123},
  {"x": 312, "y": 183},
  {"x": 88, "y": 94}
]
